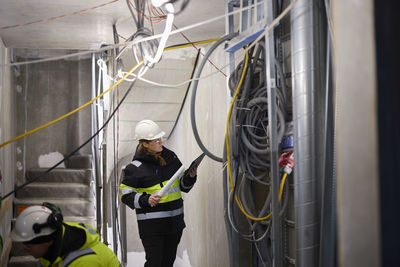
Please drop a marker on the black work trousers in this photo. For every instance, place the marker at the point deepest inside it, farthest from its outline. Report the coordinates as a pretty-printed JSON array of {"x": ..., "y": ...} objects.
[{"x": 161, "y": 250}]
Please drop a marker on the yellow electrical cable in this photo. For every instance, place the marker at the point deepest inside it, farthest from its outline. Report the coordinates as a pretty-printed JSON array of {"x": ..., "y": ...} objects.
[
  {"x": 74, "y": 111},
  {"x": 91, "y": 101},
  {"x": 228, "y": 152},
  {"x": 282, "y": 184},
  {"x": 191, "y": 44}
]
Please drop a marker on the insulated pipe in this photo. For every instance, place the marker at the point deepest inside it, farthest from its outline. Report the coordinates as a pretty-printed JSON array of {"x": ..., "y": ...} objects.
[
  {"x": 307, "y": 115},
  {"x": 95, "y": 149}
]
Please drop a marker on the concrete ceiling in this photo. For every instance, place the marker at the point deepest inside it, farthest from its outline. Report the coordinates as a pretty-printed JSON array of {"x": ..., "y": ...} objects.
[{"x": 90, "y": 29}]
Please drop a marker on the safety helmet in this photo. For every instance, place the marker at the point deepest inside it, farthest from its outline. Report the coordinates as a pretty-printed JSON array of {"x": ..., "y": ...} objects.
[
  {"x": 148, "y": 130},
  {"x": 33, "y": 222}
]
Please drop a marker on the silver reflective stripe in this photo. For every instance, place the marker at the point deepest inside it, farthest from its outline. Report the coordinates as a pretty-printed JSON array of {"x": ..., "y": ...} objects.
[
  {"x": 90, "y": 230},
  {"x": 39, "y": 264},
  {"x": 184, "y": 186},
  {"x": 159, "y": 214},
  {"x": 136, "y": 163},
  {"x": 173, "y": 190},
  {"x": 76, "y": 254},
  {"x": 136, "y": 201},
  {"x": 125, "y": 191}
]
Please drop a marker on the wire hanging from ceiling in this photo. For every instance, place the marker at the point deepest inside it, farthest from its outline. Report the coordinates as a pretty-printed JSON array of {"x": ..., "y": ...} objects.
[
  {"x": 156, "y": 36},
  {"x": 58, "y": 17}
]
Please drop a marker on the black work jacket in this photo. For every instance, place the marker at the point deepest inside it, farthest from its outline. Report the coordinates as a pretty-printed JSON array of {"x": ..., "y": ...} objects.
[{"x": 146, "y": 172}]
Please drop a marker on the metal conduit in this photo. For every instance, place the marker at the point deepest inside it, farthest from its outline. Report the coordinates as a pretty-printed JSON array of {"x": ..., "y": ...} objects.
[
  {"x": 95, "y": 149},
  {"x": 307, "y": 120}
]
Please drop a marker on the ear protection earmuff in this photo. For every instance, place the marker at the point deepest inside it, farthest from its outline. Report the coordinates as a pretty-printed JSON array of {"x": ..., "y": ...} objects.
[{"x": 54, "y": 220}]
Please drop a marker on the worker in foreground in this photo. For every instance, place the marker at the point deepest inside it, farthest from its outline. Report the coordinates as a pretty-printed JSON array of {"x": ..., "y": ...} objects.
[
  {"x": 159, "y": 217},
  {"x": 55, "y": 243}
]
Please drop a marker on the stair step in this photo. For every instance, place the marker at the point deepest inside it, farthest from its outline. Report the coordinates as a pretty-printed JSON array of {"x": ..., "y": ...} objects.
[
  {"x": 71, "y": 189},
  {"x": 67, "y": 190},
  {"x": 77, "y": 207},
  {"x": 23, "y": 261},
  {"x": 80, "y": 162},
  {"x": 61, "y": 175}
]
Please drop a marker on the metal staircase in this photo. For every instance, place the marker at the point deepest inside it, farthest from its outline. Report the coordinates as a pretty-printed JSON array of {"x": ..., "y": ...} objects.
[{"x": 71, "y": 189}]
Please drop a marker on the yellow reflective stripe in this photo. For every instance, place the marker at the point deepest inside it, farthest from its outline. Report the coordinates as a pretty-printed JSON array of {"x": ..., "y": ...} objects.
[
  {"x": 150, "y": 190},
  {"x": 171, "y": 197},
  {"x": 172, "y": 194},
  {"x": 176, "y": 183},
  {"x": 122, "y": 186}
]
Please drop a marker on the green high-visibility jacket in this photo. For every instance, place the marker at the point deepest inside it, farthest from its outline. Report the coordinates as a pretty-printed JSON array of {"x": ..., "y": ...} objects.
[
  {"x": 144, "y": 176},
  {"x": 93, "y": 253}
]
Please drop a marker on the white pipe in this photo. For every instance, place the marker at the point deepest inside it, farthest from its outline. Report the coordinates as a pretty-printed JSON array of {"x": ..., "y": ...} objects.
[
  {"x": 171, "y": 181},
  {"x": 165, "y": 35}
]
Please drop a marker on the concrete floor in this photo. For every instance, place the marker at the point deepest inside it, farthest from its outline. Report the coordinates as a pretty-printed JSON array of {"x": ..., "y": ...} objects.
[{"x": 137, "y": 259}]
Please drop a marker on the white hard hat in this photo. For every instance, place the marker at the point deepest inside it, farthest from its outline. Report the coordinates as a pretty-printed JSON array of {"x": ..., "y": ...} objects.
[
  {"x": 148, "y": 130},
  {"x": 24, "y": 225}
]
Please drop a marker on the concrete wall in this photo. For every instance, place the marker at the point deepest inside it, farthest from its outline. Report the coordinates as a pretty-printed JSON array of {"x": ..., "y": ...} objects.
[
  {"x": 46, "y": 91},
  {"x": 7, "y": 131},
  {"x": 357, "y": 172},
  {"x": 205, "y": 237}
]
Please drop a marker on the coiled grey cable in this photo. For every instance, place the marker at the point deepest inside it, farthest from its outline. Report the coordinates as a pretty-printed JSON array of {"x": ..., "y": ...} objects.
[{"x": 193, "y": 99}]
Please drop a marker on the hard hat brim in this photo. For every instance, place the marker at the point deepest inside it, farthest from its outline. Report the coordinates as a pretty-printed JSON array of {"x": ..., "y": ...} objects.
[
  {"x": 161, "y": 134},
  {"x": 18, "y": 238}
]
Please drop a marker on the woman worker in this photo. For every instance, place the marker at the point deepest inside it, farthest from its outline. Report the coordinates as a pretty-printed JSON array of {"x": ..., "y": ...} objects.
[{"x": 160, "y": 218}]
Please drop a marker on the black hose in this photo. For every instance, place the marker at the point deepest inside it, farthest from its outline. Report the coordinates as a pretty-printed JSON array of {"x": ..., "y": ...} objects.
[
  {"x": 193, "y": 100},
  {"x": 187, "y": 91},
  {"x": 130, "y": 10}
]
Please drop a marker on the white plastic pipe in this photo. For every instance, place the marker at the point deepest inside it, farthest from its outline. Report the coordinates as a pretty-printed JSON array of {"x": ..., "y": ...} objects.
[
  {"x": 171, "y": 181},
  {"x": 165, "y": 35}
]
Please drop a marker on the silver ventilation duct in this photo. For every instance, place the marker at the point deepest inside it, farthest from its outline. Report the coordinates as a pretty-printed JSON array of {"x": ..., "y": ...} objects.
[{"x": 308, "y": 70}]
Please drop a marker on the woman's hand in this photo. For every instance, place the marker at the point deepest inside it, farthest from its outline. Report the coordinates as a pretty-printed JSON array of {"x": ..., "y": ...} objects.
[
  {"x": 154, "y": 199},
  {"x": 193, "y": 171}
]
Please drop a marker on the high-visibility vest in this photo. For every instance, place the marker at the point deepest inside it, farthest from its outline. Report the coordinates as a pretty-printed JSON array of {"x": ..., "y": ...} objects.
[
  {"x": 145, "y": 175},
  {"x": 173, "y": 193},
  {"x": 92, "y": 253}
]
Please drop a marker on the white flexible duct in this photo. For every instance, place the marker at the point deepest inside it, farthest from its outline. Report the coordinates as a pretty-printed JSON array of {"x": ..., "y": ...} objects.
[{"x": 165, "y": 35}]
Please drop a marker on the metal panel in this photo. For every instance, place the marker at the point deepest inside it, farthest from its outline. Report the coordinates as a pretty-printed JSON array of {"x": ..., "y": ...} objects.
[{"x": 272, "y": 116}]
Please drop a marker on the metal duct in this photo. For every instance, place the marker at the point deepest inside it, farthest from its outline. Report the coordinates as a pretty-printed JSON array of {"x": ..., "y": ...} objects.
[{"x": 307, "y": 71}]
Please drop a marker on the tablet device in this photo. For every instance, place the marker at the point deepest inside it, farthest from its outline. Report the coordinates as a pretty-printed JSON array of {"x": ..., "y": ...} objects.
[{"x": 196, "y": 162}]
